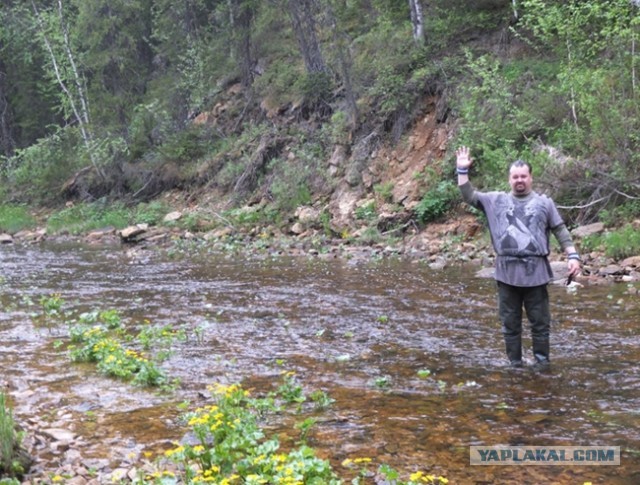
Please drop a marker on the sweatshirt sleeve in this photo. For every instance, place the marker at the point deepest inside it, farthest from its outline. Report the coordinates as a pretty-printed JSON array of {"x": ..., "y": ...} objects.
[
  {"x": 561, "y": 233},
  {"x": 469, "y": 194}
]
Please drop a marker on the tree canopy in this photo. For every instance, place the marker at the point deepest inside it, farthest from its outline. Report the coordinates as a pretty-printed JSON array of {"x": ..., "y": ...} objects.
[{"x": 119, "y": 84}]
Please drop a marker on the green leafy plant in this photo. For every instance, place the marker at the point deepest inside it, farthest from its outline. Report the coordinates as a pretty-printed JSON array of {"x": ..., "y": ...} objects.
[
  {"x": 290, "y": 389},
  {"x": 232, "y": 447},
  {"x": 423, "y": 373},
  {"x": 436, "y": 202},
  {"x": 321, "y": 399},
  {"x": 52, "y": 305},
  {"x": 366, "y": 212},
  {"x": 305, "y": 427},
  {"x": 102, "y": 344},
  {"x": 11, "y": 463}
]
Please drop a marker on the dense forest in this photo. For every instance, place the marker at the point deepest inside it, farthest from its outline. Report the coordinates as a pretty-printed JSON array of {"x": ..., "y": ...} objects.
[{"x": 120, "y": 101}]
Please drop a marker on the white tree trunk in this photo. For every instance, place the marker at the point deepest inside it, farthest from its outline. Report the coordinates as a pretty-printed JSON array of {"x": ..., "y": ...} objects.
[
  {"x": 81, "y": 116},
  {"x": 417, "y": 21}
]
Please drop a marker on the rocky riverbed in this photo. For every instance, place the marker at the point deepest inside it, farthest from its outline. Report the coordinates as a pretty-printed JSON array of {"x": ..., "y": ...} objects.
[{"x": 57, "y": 450}]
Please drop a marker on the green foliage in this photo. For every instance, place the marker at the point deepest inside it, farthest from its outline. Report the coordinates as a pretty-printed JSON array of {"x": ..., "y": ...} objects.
[
  {"x": 617, "y": 244},
  {"x": 370, "y": 235},
  {"x": 231, "y": 445},
  {"x": 275, "y": 83},
  {"x": 494, "y": 118},
  {"x": 251, "y": 216},
  {"x": 337, "y": 128},
  {"x": 81, "y": 218},
  {"x": 391, "y": 90},
  {"x": 151, "y": 213},
  {"x": 52, "y": 307},
  {"x": 295, "y": 180},
  {"x": 384, "y": 190},
  {"x": 110, "y": 38},
  {"x": 10, "y": 463},
  {"x": 7, "y": 433},
  {"x": 366, "y": 212},
  {"x": 38, "y": 172},
  {"x": 321, "y": 399},
  {"x": 624, "y": 212},
  {"x": 102, "y": 344},
  {"x": 436, "y": 202},
  {"x": 291, "y": 193},
  {"x": 14, "y": 218},
  {"x": 291, "y": 390},
  {"x": 450, "y": 22},
  {"x": 31, "y": 102},
  {"x": 383, "y": 48},
  {"x": 315, "y": 87},
  {"x": 595, "y": 82}
]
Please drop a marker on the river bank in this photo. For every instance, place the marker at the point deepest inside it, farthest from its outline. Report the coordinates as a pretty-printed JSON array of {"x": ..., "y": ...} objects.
[{"x": 463, "y": 241}]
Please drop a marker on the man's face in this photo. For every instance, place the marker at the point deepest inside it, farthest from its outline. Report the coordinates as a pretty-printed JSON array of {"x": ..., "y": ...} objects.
[{"x": 520, "y": 180}]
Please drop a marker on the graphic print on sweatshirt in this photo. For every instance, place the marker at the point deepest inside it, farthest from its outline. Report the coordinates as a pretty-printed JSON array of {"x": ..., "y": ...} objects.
[{"x": 520, "y": 226}]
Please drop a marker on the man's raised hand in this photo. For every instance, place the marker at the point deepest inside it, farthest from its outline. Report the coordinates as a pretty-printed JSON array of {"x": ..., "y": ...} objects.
[{"x": 463, "y": 160}]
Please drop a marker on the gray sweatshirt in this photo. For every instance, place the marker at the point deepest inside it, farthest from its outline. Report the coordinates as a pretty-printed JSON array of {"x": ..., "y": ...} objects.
[{"x": 520, "y": 227}]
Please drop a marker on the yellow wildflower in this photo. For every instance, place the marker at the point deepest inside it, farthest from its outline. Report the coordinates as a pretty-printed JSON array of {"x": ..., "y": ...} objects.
[
  {"x": 414, "y": 477},
  {"x": 361, "y": 460}
]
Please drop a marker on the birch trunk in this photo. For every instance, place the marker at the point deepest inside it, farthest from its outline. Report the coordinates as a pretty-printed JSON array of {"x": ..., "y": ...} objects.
[
  {"x": 81, "y": 115},
  {"x": 417, "y": 21}
]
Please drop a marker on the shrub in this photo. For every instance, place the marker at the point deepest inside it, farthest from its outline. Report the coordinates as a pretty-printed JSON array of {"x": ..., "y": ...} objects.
[
  {"x": 436, "y": 202},
  {"x": 37, "y": 172},
  {"x": 315, "y": 87},
  {"x": 295, "y": 180}
]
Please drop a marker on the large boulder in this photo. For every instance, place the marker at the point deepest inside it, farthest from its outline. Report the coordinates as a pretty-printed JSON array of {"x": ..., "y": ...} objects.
[{"x": 588, "y": 230}]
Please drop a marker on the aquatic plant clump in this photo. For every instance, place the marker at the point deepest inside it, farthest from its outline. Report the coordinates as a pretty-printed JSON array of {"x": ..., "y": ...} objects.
[
  {"x": 94, "y": 344},
  {"x": 233, "y": 449}
]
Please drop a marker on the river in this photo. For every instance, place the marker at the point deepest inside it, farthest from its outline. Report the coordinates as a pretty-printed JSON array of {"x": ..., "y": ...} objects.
[{"x": 412, "y": 356}]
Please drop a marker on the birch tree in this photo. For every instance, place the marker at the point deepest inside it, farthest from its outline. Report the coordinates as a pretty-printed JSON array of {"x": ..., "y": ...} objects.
[
  {"x": 67, "y": 74},
  {"x": 417, "y": 21}
]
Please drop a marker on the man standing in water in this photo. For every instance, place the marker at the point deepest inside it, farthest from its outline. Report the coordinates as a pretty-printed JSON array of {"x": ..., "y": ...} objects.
[{"x": 520, "y": 223}]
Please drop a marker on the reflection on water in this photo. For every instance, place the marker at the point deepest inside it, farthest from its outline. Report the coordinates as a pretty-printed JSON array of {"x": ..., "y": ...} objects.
[{"x": 361, "y": 331}]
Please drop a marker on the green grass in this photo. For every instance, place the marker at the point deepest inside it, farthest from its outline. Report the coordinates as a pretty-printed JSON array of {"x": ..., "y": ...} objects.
[
  {"x": 9, "y": 463},
  {"x": 86, "y": 217},
  {"x": 14, "y": 218},
  {"x": 617, "y": 244}
]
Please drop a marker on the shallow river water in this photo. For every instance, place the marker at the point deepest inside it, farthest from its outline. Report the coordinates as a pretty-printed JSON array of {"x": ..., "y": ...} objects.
[{"x": 360, "y": 330}]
